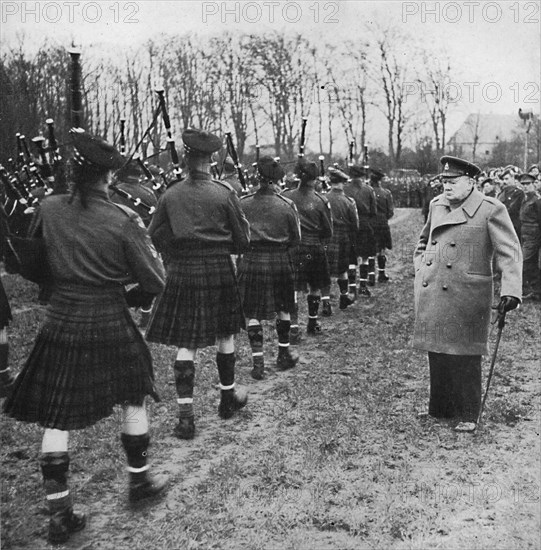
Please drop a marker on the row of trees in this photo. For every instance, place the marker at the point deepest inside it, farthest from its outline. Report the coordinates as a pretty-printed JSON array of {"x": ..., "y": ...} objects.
[{"x": 256, "y": 86}]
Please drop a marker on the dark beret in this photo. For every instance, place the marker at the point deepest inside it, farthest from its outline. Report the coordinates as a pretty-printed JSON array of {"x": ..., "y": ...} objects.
[
  {"x": 526, "y": 178},
  {"x": 337, "y": 176},
  {"x": 270, "y": 169},
  {"x": 454, "y": 167},
  {"x": 376, "y": 175},
  {"x": 199, "y": 141},
  {"x": 357, "y": 171},
  {"x": 92, "y": 151},
  {"x": 309, "y": 169}
]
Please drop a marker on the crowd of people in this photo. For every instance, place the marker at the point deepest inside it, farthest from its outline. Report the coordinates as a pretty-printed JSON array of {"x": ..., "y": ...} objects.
[{"x": 215, "y": 260}]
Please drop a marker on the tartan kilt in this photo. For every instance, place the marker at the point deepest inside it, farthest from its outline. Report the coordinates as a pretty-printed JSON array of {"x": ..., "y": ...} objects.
[
  {"x": 200, "y": 301},
  {"x": 366, "y": 242},
  {"x": 311, "y": 267},
  {"x": 88, "y": 357},
  {"x": 382, "y": 235},
  {"x": 266, "y": 282},
  {"x": 338, "y": 252},
  {"x": 5, "y": 310}
]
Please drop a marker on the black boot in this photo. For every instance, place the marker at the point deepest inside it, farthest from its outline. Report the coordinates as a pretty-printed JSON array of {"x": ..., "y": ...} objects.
[
  {"x": 63, "y": 519},
  {"x": 313, "y": 306},
  {"x": 286, "y": 358},
  {"x": 232, "y": 399},
  {"x": 382, "y": 277},
  {"x": 184, "y": 382},
  {"x": 345, "y": 300},
  {"x": 255, "y": 335},
  {"x": 142, "y": 485},
  {"x": 7, "y": 379}
]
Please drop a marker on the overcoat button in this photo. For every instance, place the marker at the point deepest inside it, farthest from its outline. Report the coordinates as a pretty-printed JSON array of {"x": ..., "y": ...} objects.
[
  {"x": 453, "y": 244},
  {"x": 425, "y": 284},
  {"x": 429, "y": 262},
  {"x": 444, "y": 287},
  {"x": 449, "y": 265},
  {"x": 434, "y": 242}
]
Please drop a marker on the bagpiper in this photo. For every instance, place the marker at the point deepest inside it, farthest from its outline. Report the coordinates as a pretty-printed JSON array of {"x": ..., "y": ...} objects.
[
  {"x": 345, "y": 228},
  {"x": 365, "y": 248},
  {"x": 380, "y": 225},
  {"x": 198, "y": 224},
  {"x": 89, "y": 355},
  {"x": 310, "y": 258},
  {"x": 266, "y": 274}
]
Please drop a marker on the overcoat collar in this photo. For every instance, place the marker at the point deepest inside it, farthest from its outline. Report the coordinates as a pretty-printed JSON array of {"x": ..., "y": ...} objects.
[{"x": 445, "y": 216}]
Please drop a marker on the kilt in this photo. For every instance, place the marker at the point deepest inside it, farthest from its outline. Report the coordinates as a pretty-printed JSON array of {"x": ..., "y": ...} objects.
[
  {"x": 266, "y": 282},
  {"x": 5, "y": 310},
  {"x": 88, "y": 357},
  {"x": 311, "y": 267},
  {"x": 200, "y": 302},
  {"x": 338, "y": 252},
  {"x": 382, "y": 236},
  {"x": 455, "y": 386},
  {"x": 366, "y": 242}
]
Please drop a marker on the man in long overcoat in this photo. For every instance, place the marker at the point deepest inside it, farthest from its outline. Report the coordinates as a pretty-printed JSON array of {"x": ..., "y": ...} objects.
[{"x": 466, "y": 234}]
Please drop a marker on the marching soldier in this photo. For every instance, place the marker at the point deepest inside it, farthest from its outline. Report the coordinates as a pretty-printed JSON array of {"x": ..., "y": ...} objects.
[
  {"x": 345, "y": 228},
  {"x": 380, "y": 225},
  {"x": 230, "y": 176},
  {"x": 365, "y": 200},
  {"x": 512, "y": 196},
  {"x": 266, "y": 275},
  {"x": 310, "y": 258},
  {"x": 454, "y": 288},
  {"x": 530, "y": 224},
  {"x": 89, "y": 355},
  {"x": 199, "y": 223}
]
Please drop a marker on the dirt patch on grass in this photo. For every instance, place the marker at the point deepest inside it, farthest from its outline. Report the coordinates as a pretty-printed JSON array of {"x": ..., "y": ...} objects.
[{"x": 328, "y": 455}]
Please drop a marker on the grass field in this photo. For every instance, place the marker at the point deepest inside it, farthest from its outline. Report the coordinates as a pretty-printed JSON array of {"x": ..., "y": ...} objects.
[{"x": 330, "y": 455}]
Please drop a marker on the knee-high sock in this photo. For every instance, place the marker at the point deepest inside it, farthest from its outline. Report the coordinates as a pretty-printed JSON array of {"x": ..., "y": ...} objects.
[
  {"x": 136, "y": 447},
  {"x": 255, "y": 335},
  {"x": 313, "y": 306},
  {"x": 226, "y": 370},
  {"x": 363, "y": 275},
  {"x": 184, "y": 382},
  {"x": 343, "y": 286},
  {"x": 54, "y": 468}
]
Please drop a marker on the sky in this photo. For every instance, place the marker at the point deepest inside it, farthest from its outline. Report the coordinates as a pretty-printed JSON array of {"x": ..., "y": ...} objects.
[{"x": 494, "y": 47}]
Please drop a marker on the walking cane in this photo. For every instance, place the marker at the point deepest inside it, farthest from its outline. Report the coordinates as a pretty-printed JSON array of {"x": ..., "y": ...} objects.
[{"x": 472, "y": 426}]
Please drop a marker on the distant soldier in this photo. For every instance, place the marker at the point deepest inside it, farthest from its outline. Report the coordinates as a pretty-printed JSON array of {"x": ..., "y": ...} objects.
[
  {"x": 365, "y": 200},
  {"x": 345, "y": 228},
  {"x": 230, "y": 176},
  {"x": 530, "y": 224},
  {"x": 432, "y": 190},
  {"x": 382, "y": 231},
  {"x": 199, "y": 223},
  {"x": 310, "y": 258},
  {"x": 512, "y": 196},
  {"x": 266, "y": 274}
]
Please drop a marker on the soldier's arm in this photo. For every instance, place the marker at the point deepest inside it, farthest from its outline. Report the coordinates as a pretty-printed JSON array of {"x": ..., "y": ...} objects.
[
  {"x": 326, "y": 221},
  {"x": 240, "y": 227},
  {"x": 145, "y": 265},
  {"x": 160, "y": 229},
  {"x": 353, "y": 216},
  {"x": 507, "y": 251},
  {"x": 373, "y": 204},
  {"x": 294, "y": 226}
]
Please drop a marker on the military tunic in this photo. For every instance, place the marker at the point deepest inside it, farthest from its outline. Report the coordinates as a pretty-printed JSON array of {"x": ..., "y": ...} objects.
[
  {"x": 512, "y": 198},
  {"x": 530, "y": 223},
  {"x": 365, "y": 200},
  {"x": 310, "y": 258},
  {"x": 88, "y": 355},
  {"x": 266, "y": 273}
]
